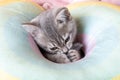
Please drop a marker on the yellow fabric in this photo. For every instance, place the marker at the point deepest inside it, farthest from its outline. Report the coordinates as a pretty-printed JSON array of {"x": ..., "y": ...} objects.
[
  {"x": 5, "y": 76},
  {"x": 7, "y": 2},
  {"x": 76, "y": 5},
  {"x": 116, "y": 78}
]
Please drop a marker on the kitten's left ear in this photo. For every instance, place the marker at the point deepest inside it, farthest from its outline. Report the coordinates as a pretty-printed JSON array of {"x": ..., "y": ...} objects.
[{"x": 64, "y": 12}]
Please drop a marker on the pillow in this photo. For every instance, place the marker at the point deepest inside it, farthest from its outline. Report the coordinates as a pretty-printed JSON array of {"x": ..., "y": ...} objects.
[{"x": 98, "y": 26}]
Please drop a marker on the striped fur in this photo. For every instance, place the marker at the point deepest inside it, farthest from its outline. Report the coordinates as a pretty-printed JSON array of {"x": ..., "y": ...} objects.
[{"x": 54, "y": 31}]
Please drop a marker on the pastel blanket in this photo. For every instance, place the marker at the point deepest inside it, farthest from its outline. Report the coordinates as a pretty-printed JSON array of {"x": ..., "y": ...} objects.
[
  {"x": 57, "y": 3},
  {"x": 98, "y": 27}
]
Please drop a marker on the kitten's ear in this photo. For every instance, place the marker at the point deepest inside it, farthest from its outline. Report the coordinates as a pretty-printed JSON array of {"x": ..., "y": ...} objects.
[
  {"x": 64, "y": 12},
  {"x": 32, "y": 26},
  {"x": 29, "y": 27}
]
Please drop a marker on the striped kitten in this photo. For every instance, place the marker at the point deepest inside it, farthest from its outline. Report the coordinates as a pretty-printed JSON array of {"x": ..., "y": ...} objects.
[{"x": 54, "y": 31}]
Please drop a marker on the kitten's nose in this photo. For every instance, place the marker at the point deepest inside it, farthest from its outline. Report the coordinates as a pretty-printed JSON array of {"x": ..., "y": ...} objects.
[{"x": 65, "y": 50}]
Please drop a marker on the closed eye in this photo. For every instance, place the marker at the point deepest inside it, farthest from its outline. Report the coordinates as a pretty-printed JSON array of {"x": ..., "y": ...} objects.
[
  {"x": 60, "y": 21},
  {"x": 54, "y": 48},
  {"x": 67, "y": 39}
]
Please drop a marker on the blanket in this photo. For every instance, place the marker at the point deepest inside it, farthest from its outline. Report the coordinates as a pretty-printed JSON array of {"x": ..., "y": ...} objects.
[{"x": 47, "y": 4}]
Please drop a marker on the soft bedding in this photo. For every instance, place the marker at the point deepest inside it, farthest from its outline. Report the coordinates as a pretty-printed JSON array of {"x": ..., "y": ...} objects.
[{"x": 98, "y": 26}]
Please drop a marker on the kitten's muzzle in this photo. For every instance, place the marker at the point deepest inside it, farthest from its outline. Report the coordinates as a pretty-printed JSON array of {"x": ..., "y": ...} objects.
[{"x": 65, "y": 50}]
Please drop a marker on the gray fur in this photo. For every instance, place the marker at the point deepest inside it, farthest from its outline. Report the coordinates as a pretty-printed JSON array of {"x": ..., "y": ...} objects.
[{"x": 54, "y": 30}]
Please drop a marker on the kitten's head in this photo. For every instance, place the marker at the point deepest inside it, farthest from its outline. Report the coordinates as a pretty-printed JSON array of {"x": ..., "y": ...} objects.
[{"x": 54, "y": 30}]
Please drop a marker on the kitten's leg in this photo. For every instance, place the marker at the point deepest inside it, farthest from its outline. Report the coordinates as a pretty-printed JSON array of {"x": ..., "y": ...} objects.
[
  {"x": 77, "y": 46},
  {"x": 58, "y": 58},
  {"x": 73, "y": 55}
]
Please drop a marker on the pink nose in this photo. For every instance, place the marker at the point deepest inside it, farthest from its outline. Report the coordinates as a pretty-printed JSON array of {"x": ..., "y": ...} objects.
[{"x": 65, "y": 50}]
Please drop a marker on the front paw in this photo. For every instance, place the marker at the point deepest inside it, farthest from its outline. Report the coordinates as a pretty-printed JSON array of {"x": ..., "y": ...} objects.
[
  {"x": 58, "y": 58},
  {"x": 73, "y": 55}
]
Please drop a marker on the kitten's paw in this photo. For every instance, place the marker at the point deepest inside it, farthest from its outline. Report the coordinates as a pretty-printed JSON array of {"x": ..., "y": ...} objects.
[
  {"x": 58, "y": 58},
  {"x": 73, "y": 55},
  {"x": 62, "y": 58}
]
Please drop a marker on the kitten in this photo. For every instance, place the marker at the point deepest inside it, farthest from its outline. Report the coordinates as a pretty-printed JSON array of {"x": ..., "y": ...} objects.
[{"x": 54, "y": 31}]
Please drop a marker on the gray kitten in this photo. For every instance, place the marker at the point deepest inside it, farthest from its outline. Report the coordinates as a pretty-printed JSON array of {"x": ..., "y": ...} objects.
[{"x": 54, "y": 31}]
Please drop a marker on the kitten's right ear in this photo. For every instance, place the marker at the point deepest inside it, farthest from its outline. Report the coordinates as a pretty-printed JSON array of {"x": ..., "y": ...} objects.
[{"x": 30, "y": 27}]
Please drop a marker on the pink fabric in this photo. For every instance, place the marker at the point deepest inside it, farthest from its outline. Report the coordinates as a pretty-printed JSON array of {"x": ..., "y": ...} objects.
[
  {"x": 117, "y": 2},
  {"x": 47, "y": 4},
  {"x": 51, "y": 3},
  {"x": 33, "y": 45}
]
